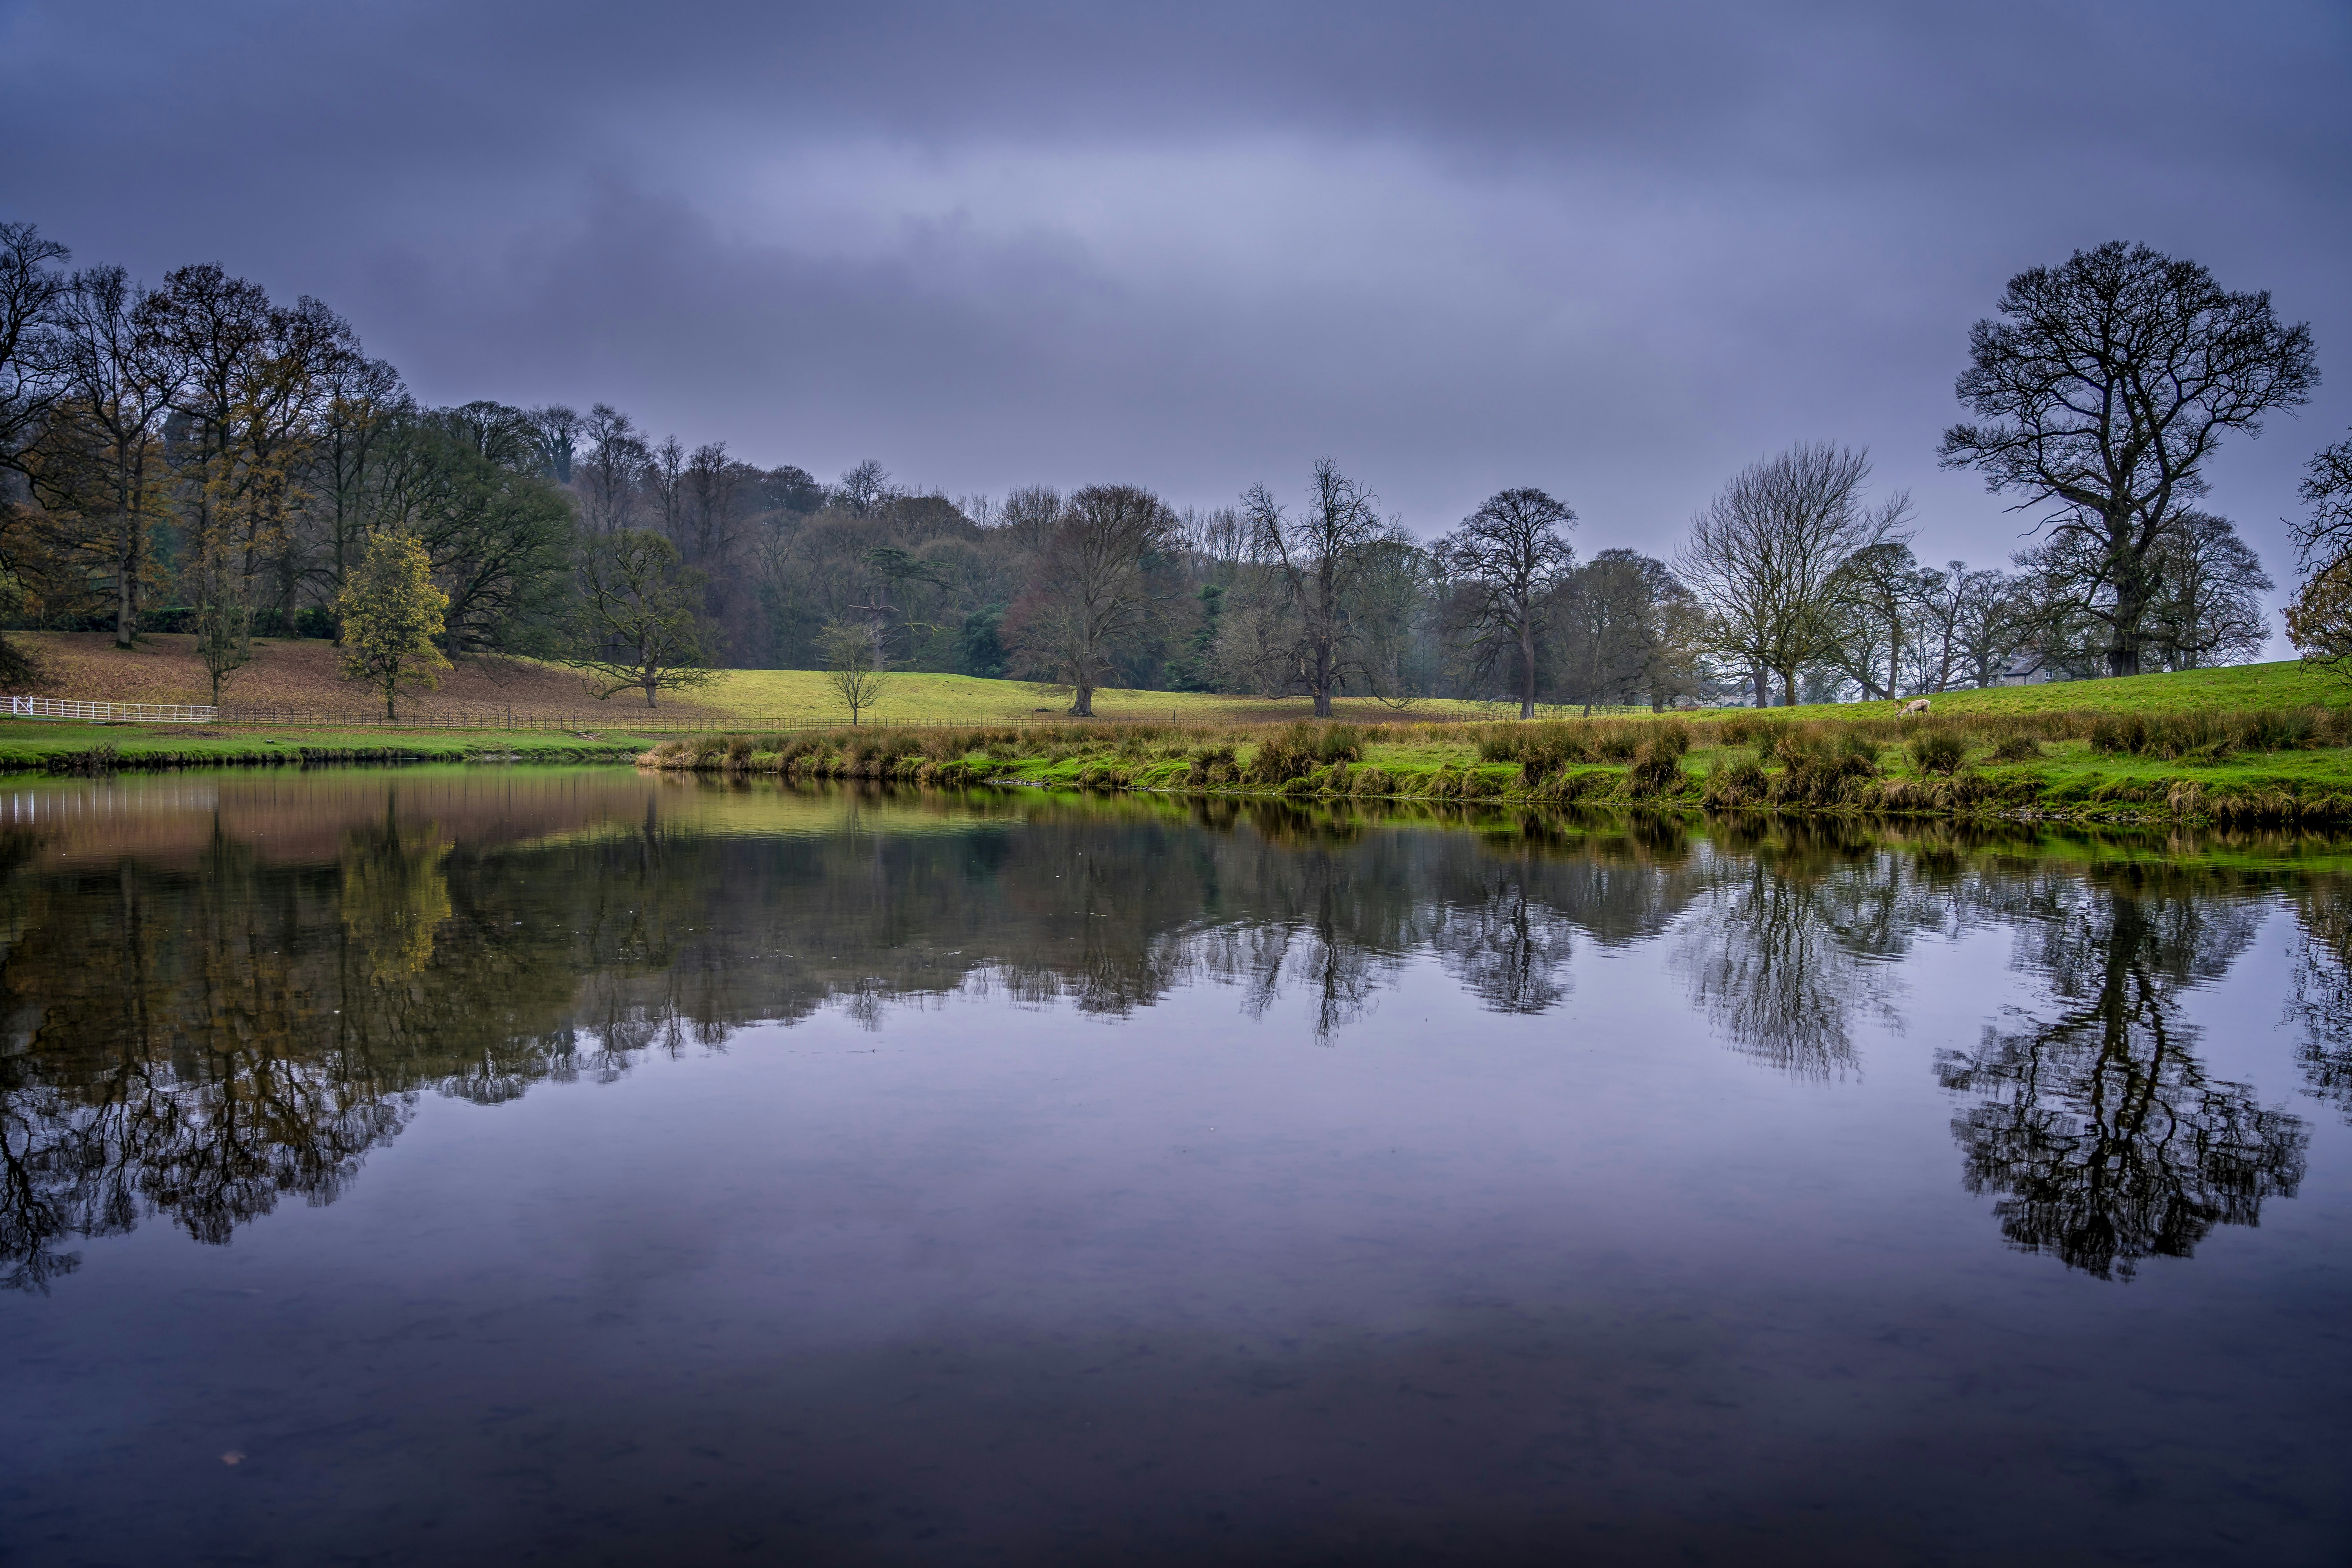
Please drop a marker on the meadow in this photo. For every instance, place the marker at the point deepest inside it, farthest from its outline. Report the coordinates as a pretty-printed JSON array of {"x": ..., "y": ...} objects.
[{"x": 2253, "y": 742}]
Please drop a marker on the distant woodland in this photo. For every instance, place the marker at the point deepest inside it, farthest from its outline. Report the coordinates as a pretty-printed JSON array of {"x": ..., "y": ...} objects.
[{"x": 190, "y": 455}]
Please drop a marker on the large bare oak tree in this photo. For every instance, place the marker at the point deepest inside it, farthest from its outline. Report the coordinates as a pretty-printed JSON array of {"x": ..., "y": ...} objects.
[
  {"x": 2100, "y": 392},
  {"x": 1508, "y": 559}
]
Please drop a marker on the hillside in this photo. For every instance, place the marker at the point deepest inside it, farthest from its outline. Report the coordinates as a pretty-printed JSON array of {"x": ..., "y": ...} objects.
[
  {"x": 2290, "y": 683},
  {"x": 301, "y": 674}
]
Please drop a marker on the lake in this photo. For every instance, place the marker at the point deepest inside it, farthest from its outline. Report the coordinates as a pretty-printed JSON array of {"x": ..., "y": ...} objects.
[{"x": 580, "y": 1166}]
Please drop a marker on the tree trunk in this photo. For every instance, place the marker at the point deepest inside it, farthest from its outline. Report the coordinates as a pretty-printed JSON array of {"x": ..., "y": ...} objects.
[
  {"x": 1527, "y": 671},
  {"x": 126, "y": 594},
  {"x": 2123, "y": 648},
  {"x": 1083, "y": 708},
  {"x": 1763, "y": 689},
  {"x": 1788, "y": 687}
]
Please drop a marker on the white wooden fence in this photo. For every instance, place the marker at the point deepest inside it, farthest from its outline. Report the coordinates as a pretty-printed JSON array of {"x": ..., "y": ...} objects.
[{"x": 113, "y": 712}]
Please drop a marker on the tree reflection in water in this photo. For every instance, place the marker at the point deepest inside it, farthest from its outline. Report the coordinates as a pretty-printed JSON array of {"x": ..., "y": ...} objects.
[
  {"x": 2097, "y": 1123},
  {"x": 1791, "y": 945},
  {"x": 229, "y": 998},
  {"x": 2322, "y": 997}
]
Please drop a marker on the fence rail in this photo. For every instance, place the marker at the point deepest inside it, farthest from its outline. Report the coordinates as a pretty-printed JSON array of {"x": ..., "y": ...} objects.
[{"x": 113, "y": 712}]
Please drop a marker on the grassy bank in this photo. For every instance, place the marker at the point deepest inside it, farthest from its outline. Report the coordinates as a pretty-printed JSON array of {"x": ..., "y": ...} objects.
[
  {"x": 2265, "y": 766},
  {"x": 306, "y": 677},
  {"x": 40, "y": 746}
]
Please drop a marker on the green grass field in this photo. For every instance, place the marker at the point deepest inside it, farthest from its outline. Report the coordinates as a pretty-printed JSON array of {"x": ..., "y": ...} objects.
[
  {"x": 2290, "y": 683},
  {"x": 2264, "y": 743},
  {"x": 801, "y": 696},
  {"x": 1418, "y": 751},
  {"x": 785, "y": 697},
  {"x": 36, "y": 745}
]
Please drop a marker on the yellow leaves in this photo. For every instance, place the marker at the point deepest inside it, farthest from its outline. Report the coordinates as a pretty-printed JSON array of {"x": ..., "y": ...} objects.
[{"x": 390, "y": 612}]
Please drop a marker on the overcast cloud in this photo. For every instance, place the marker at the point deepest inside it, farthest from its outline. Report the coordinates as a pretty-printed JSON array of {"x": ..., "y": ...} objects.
[{"x": 1612, "y": 251}]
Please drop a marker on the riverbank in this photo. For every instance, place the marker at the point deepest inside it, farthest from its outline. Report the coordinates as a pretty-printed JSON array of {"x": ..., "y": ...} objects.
[
  {"x": 28, "y": 746},
  {"x": 2278, "y": 765}
]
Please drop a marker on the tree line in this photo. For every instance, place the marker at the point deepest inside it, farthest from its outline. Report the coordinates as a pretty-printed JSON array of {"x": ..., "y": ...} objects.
[{"x": 196, "y": 457}]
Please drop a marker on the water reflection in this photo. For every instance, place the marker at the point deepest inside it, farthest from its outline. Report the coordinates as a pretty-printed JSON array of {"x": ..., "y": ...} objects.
[
  {"x": 2321, "y": 1002},
  {"x": 2097, "y": 1124},
  {"x": 218, "y": 995}
]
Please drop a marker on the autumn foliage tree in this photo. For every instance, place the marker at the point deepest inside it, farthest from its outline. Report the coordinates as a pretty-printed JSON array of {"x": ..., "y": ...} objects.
[{"x": 390, "y": 612}]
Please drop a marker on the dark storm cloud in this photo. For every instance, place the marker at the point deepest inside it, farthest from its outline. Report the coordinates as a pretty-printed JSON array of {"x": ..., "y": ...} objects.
[{"x": 1612, "y": 251}]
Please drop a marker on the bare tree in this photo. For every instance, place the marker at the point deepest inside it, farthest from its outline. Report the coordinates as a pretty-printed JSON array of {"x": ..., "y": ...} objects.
[
  {"x": 1090, "y": 590},
  {"x": 1764, "y": 558},
  {"x": 640, "y": 617},
  {"x": 2209, "y": 601},
  {"x": 31, "y": 287},
  {"x": 864, "y": 488},
  {"x": 363, "y": 406},
  {"x": 558, "y": 430},
  {"x": 1317, "y": 561},
  {"x": 1218, "y": 536},
  {"x": 666, "y": 473},
  {"x": 1875, "y": 600},
  {"x": 2326, "y": 533},
  {"x": 1994, "y": 622},
  {"x": 853, "y": 666},
  {"x": 611, "y": 469},
  {"x": 103, "y": 464},
  {"x": 710, "y": 483},
  {"x": 2102, "y": 391},
  {"x": 224, "y": 620},
  {"x": 1627, "y": 628},
  {"x": 2319, "y": 621},
  {"x": 1957, "y": 611},
  {"x": 1508, "y": 558},
  {"x": 248, "y": 383}
]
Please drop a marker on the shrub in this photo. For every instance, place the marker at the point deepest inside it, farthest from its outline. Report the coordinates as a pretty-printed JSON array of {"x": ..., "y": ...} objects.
[
  {"x": 1742, "y": 730},
  {"x": 1657, "y": 766},
  {"x": 2017, "y": 747},
  {"x": 1539, "y": 749},
  {"x": 1935, "y": 752},
  {"x": 1209, "y": 764},
  {"x": 1739, "y": 782},
  {"x": 2119, "y": 733},
  {"x": 1618, "y": 742},
  {"x": 1819, "y": 769},
  {"x": 2176, "y": 735},
  {"x": 2277, "y": 730},
  {"x": 1296, "y": 749}
]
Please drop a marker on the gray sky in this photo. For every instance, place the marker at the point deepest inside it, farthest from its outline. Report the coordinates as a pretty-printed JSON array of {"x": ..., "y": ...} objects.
[{"x": 1615, "y": 252}]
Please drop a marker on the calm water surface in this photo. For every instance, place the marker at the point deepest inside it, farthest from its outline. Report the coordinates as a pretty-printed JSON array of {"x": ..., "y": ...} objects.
[{"x": 579, "y": 1167}]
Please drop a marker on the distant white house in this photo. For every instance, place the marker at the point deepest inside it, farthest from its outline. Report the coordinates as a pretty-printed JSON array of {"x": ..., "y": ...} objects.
[{"x": 2030, "y": 668}]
